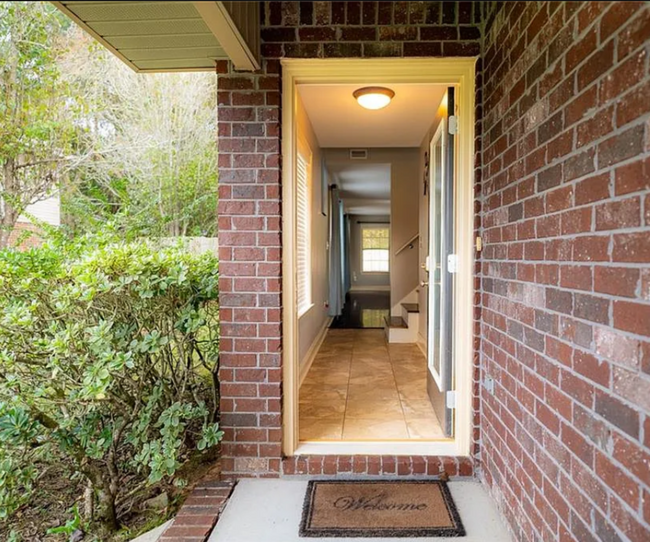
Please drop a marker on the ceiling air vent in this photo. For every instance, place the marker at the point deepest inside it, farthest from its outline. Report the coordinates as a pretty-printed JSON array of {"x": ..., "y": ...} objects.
[{"x": 358, "y": 154}]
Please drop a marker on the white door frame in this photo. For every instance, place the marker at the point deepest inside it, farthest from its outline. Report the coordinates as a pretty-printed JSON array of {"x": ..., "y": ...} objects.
[{"x": 459, "y": 72}]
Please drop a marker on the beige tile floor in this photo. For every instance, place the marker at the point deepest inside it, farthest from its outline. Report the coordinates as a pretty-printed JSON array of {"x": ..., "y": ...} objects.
[{"x": 361, "y": 388}]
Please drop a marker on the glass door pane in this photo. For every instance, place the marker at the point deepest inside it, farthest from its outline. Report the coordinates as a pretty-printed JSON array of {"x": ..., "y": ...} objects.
[
  {"x": 441, "y": 251},
  {"x": 436, "y": 223}
]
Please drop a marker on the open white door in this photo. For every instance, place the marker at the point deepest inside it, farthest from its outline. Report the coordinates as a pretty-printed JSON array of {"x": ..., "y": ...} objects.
[{"x": 441, "y": 263}]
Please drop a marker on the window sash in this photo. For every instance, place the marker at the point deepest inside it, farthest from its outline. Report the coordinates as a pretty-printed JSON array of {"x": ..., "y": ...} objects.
[{"x": 375, "y": 249}]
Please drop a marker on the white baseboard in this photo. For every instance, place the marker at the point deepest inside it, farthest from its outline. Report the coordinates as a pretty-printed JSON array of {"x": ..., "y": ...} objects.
[
  {"x": 370, "y": 289},
  {"x": 306, "y": 363}
]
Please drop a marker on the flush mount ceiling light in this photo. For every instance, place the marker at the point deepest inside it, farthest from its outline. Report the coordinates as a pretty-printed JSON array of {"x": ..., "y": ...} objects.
[{"x": 373, "y": 97}]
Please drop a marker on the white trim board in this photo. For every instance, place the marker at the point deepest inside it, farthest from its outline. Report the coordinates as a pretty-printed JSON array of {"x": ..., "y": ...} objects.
[{"x": 459, "y": 72}]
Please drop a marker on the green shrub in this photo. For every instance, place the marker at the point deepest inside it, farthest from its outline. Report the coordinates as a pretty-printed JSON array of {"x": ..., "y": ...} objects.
[{"x": 108, "y": 361}]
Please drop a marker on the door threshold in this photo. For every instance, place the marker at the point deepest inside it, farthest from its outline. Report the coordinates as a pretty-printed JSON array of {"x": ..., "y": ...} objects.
[{"x": 446, "y": 447}]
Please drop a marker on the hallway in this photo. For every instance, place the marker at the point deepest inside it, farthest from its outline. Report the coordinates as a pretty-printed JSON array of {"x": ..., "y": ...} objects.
[
  {"x": 361, "y": 388},
  {"x": 363, "y": 310}
]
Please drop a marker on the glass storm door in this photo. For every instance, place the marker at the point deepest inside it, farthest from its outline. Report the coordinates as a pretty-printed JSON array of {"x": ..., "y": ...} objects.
[{"x": 441, "y": 262}]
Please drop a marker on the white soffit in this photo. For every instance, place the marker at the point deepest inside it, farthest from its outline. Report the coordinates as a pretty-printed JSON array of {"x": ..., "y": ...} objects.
[
  {"x": 339, "y": 121},
  {"x": 169, "y": 36}
]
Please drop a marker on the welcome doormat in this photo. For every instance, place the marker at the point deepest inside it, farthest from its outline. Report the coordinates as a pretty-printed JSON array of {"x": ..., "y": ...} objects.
[{"x": 399, "y": 508}]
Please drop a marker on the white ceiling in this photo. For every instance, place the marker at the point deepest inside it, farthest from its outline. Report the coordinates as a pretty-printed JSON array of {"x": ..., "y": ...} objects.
[
  {"x": 339, "y": 121},
  {"x": 365, "y": 188},
  {"x": 367, "y": 207}
]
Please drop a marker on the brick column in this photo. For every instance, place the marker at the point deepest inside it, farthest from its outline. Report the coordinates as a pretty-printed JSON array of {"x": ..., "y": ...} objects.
[{"x": 250, "y": 269}]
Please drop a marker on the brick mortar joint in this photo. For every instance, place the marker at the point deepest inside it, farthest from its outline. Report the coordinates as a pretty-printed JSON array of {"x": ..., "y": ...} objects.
[{"x": 496, "y": 451}]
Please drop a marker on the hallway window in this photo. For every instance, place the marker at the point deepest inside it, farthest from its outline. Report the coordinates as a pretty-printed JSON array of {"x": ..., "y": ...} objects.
[
  {"x": 374, "y": 249},
  {"x": 303, "y": 225},
  {"x": 373, "y": 318}
]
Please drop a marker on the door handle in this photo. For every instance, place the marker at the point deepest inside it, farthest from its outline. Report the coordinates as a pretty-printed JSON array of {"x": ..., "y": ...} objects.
[{"x": 424, "y": 283}]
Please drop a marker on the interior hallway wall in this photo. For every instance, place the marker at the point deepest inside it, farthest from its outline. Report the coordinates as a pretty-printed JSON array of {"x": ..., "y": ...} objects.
[
  {"x": 404, "y": 164},
  {"x": 358, "y": 279},
  {"x": 404, "y": 187},
  {"x": 311, "y": 323}
]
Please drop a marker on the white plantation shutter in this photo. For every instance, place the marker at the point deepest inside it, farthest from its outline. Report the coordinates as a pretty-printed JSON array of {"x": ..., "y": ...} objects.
[{"x": 303, "y": 223}]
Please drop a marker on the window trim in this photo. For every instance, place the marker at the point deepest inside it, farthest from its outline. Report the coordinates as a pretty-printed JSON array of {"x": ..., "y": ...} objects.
[{"x": 371, "y": 226}]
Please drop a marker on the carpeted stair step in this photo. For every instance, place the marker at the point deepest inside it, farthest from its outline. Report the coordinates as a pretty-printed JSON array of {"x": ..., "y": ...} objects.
[
  {"x": 396, "y": 322},
  {"x": 411, "y": 307}
]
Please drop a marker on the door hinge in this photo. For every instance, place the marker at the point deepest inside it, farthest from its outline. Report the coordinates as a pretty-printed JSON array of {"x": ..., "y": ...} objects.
[
  {"x": 453, "y": 125},
  {"x": 450, "y": 399},
  {"x": 452, "y": 263}
]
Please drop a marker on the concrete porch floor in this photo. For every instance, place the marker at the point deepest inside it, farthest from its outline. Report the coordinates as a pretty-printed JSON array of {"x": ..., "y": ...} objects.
[{"x": 271, "y": 510}]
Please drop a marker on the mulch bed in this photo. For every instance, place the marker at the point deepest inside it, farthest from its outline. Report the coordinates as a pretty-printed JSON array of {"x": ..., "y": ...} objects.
[{"x": 58, "y": 491}]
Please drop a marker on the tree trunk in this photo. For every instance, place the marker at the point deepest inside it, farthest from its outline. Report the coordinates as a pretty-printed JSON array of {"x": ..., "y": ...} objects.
[
  {"x": 106, "y": 514},
  {"x": 8, "y": 213},
  {"x": 89, "y": 503}
]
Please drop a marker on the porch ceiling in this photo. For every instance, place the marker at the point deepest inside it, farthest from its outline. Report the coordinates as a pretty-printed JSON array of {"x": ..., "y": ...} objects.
[
  {"x": 172, "y": 36},
  {"x": 339, "y": 121}
]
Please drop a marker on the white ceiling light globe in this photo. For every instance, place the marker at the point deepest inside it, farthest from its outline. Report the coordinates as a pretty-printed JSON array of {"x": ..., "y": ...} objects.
[{"x": 373, "y": 97}]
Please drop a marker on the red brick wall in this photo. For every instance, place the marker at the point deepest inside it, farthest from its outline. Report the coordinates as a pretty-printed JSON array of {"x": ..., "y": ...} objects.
[
  {"x": 250, "y": 207},
  {"x": 563, "y": 201},
  {"x": 250, "y": 280},
  {"x": 373, "y": 465},
  {"x": 565, "y": 273},
  {"x": 25, "y": 236}
]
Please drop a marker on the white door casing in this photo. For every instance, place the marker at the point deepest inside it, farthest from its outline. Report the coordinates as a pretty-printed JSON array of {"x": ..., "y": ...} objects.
[{"x": 458, "y": 72}]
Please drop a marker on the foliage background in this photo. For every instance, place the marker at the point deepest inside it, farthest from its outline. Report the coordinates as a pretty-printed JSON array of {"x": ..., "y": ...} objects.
[
  {"x": 147, "y": 154},
  {"x": 136, "y": 150},
  {"x": 108, "y": 338},
  {"x": 36, "y": 132},
  {"x": 108, "y": 364}
]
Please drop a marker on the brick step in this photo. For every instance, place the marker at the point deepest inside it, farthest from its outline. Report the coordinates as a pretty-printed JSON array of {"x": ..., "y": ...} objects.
[{"x": 200, "y": 511}]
